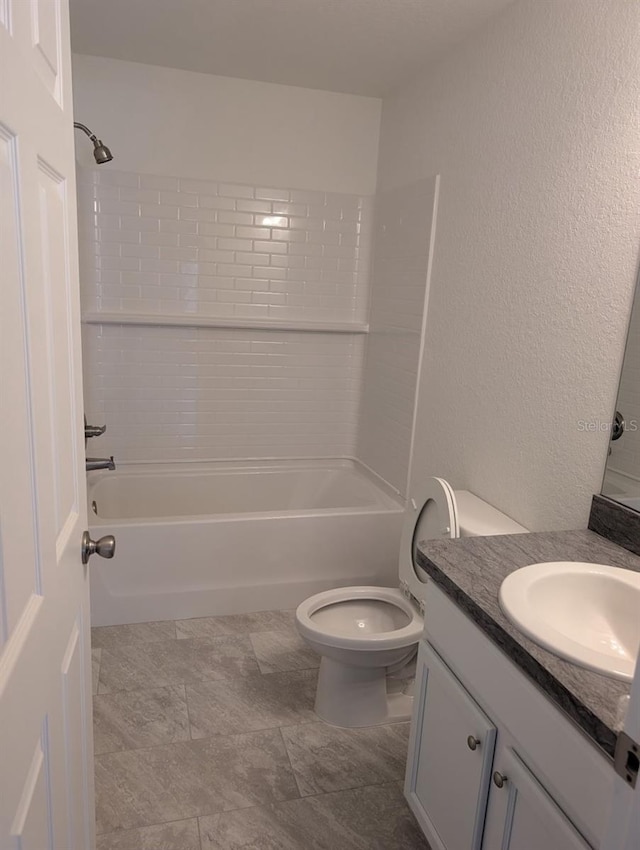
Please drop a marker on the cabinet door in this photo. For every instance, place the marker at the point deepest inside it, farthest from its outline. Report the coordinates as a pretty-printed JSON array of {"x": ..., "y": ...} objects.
[
  {"x": 521, "y": 814},
  {"x": 450, "y": 758}
]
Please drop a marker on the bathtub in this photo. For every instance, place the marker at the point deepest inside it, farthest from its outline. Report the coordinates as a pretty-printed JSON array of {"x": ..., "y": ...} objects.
[{"x": 199, "y": 539}]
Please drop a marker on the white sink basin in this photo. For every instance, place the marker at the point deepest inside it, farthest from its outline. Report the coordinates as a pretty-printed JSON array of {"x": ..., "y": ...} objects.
[{"x": 587, "y": 613}]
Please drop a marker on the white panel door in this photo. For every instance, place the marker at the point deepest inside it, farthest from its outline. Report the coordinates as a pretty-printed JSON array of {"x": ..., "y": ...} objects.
[
  {"x": 521, "y": 814},
  {"x": 46, "y": 784},
  {"x": 450, "y": 756}
]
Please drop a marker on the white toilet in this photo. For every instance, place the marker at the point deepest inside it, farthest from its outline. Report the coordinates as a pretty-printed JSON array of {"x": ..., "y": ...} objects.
[{"x": 365, "y": 634}]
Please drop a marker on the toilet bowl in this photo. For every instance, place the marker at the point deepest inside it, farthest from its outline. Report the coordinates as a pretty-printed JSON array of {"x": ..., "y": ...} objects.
[{"x": 365, "y": 634}]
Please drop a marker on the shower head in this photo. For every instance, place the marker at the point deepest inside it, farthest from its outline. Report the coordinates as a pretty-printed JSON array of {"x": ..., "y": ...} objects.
[{"x": 101, "y": 153}]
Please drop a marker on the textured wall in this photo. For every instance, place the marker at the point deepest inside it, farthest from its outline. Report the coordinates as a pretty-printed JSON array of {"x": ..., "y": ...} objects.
[
  {"x": 533, "y": 124},
  {"x": 401, "y": 247},
  {"x": 164, "y": 121}
]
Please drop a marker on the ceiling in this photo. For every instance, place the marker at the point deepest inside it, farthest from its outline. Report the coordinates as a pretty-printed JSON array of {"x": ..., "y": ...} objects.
[{"x": 361, "y": 47}]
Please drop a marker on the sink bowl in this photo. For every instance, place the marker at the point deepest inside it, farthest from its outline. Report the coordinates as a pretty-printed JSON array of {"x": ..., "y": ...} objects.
[{"x": 586, "y": 613}]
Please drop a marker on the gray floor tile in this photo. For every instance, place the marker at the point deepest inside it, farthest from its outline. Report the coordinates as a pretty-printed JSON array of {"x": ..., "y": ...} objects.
[
  {"x": 328, "y": 758},
  {"x": 95, "y": 669},
  {"x": 249, "y": 703},
  {"x": 235, "y": 624},
  {"x": 148, "y": 665},
  {"x": 185, "y": 780},
  {"x": 180, "y": 835},
  {"x": 126, "y": 720},
  {"x": 278, "y": 651},
  {"x": 372, "y": 818},
  {"x": 106, "y": 637}
]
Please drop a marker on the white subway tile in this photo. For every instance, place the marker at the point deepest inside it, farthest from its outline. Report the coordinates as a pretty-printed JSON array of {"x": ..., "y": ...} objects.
[
  {"x": 272, "y": 194},
  {"x": 119, "y": 207},
  {"x": 159, "y": 238},
  {"x": 162, "y": 266},
  {"x": 234, "y": 244},
  {"x": 271, "y": 272},
  {"x": 253, "y": 232},
  {"x": 214, "y": 202},
  {"x": 289, "y": 235},
  {"x": 270, "y": 247},
  {"x": 178, "y": 199},
  {"x": 139, "y": 223},
  {"x": 169, "y": 225},
  {"x": 215, "y": 256},
  {"x": 197, "y": 214},
  {"x": 140, "y": 196},
  {"x": 159, "y": 210},
  {"x": 235, "y": 190},
  {"x": 254, "y": 206},
  {"x": 209, "y": 228},
  {"x": 251, "y": 259},
  {"x": 230, "y": 217},
  {"x": 143, "y": 251}
]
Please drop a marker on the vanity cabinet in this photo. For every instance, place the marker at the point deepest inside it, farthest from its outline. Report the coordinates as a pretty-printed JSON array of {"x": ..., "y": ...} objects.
[
  {"x": 521, "y": 815},
  {"x": 469, "y": 782},
  {"x": 450, "y": 773}
]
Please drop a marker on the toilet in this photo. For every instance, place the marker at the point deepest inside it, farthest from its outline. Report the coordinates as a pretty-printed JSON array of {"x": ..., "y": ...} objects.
[{"x": 365, "y": 635}]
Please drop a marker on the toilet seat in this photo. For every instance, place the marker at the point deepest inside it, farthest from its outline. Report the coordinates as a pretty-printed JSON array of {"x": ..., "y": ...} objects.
[
  {"x": 355, "y": 657},
  {"x": 334, "y": 636},
  {"x": 431, "y": 513}
]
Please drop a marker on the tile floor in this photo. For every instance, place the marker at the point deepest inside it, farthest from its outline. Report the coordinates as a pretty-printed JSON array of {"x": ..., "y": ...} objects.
[{"x": 206, "y": 739}]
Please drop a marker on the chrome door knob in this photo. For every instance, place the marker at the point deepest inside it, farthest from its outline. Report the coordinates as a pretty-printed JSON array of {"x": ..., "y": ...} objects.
[
  {"x": 105, "y": 547},
  {"x": 499, "y": 779},
  {"x": 473, "y": 743}
]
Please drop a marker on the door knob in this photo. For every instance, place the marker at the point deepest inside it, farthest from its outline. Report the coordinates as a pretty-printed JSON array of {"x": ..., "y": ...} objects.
[
  {"x": 473, "y": 742},
  {"x": 105, "y": 547},
  {"x": 499, "y": 779}
]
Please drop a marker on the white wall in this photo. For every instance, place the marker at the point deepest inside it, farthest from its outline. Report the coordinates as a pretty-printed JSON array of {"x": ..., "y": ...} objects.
[
  {"x": 404, "y": 218},
  {"x": 533, "y": 124},
  {"x": 170, "y": 122}
]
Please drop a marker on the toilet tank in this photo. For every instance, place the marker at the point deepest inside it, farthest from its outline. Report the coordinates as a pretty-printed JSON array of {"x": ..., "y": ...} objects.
[{"x": 477, "y": 518}]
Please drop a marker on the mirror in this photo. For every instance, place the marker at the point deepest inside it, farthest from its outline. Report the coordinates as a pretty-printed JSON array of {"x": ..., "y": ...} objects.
[{"x": 622, "y": 473}]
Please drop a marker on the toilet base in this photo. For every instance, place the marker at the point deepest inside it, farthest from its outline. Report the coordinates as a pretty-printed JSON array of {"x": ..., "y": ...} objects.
[{"x": 357, "y": 696}]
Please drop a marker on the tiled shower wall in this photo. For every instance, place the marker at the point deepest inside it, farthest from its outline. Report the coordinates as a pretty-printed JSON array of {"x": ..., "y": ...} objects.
[
  {"x": 199, "y": 393},
  {"x": 404, "y": 218},
  {"x": 167, "y": 246}
]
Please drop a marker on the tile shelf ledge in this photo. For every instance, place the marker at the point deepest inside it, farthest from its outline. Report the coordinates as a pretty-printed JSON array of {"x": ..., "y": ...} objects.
[{"x": 194, "y": 321}]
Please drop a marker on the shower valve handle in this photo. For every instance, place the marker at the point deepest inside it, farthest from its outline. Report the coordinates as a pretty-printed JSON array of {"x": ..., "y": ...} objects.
[{"x": 94, "y": 431}]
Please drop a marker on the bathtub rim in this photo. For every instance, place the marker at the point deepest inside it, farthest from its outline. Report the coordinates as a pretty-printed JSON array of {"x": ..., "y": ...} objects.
[{"x": 393, "y": 503}]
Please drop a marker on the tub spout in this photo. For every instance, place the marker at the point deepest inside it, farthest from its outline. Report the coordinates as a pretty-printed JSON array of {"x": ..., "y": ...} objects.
[{"x": 100, "y": 463}]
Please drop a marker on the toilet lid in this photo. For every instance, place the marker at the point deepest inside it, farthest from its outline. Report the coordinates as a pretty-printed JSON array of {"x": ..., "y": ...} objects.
[{"x": 431, "y": 513}]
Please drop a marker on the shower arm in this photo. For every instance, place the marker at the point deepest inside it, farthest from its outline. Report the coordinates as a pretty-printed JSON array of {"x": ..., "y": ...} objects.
[{"x": 86, "y": 130}]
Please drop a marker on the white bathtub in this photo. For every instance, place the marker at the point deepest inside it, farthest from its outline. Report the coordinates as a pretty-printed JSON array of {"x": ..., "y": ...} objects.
[{"x": 215, "y": 538}]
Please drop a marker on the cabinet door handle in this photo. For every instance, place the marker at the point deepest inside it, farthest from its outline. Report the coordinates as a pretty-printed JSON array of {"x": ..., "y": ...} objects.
[
  {"x": 473, "y": 743},
  {"x": 499, "y": 779}
]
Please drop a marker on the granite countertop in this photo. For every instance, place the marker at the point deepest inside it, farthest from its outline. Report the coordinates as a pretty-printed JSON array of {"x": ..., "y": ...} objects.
[{"x": 470, "y": 571}]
